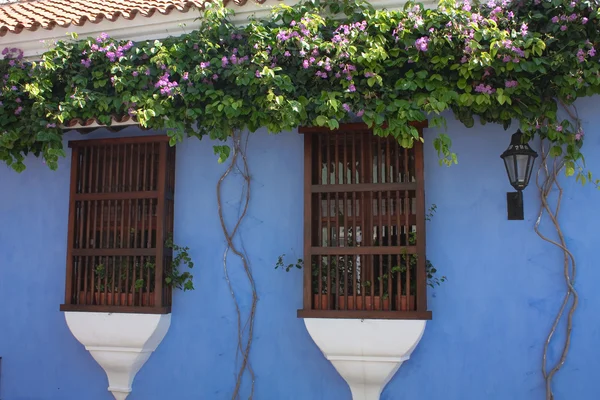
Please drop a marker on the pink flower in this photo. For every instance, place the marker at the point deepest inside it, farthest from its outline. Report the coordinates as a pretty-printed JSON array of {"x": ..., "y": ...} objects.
[
  {"x": 18, "y": 110},
  {"x": 352, "y": 88},
  {"x": 257, "y": 74},
  {"x": 563, "y": 28},
  {"x": 559, "y": 128},
  {"x": 346, "y": 107},
  {"x": 511, "y": 84},
  {"x": 135, "y": 73},
  {"x": 421, "y": 43},
  {"x": 555, "y": 20},
  {"x": 360, "y": 113},
  {"x": 584, "y": 20}
]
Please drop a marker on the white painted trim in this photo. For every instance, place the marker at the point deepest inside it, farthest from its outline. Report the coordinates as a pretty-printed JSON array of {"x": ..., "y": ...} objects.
[
  {"x": 158, "y": 26},
  {"x": 366, "y": 353},
  {"x": 120, "y": 342}
]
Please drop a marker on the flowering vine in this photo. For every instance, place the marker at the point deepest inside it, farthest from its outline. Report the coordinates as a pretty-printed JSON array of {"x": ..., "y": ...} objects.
[{"x": 500, "y": 61}]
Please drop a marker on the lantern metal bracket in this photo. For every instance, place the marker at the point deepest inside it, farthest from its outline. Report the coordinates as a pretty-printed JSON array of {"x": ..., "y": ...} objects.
[{"x": 514, "y": 206}]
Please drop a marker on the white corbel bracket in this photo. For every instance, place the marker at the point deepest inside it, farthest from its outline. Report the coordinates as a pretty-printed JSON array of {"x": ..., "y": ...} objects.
[
  {"x": 120, "y": 342},
  {"x": 366, "y": 353}
]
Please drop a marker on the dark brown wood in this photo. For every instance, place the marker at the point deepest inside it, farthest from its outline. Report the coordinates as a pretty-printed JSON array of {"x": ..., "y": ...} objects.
[
  {"x": 160, "y": 225},
  {"x": 116, "y": 309},
  {"x": 103, "y": 196},
  {"x": 121, "y": 140},
  {"x": 366, "y": 314},
  {"x": 420, "y": 211},
  {"x": 145, "y": 194},
  {"x": 307, "y": 301},
  {"x": 365, "y": 187},
  {"x": 363, "y": 250},
  {"x": 356, "y": 126},
  {"x": 71, "y": 229}
]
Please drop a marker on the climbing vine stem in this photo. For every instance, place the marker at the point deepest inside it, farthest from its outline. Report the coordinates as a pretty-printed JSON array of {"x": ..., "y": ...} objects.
[
  {"x": 547, "y": 182},
  {"x": 239, "y": 163}
]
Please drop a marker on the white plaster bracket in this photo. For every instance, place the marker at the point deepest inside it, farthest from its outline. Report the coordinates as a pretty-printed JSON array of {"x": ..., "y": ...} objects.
[
  {"x": 120, "y": 342},
  {"x": 366, "y": 353}
]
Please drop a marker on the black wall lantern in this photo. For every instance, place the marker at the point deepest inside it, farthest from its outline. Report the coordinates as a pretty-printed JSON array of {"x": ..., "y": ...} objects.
[{"x": 518, "y": 160}]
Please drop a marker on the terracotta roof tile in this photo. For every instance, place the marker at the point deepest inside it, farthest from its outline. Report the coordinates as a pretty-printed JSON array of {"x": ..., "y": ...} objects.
[{"x": 47, "y": 14}]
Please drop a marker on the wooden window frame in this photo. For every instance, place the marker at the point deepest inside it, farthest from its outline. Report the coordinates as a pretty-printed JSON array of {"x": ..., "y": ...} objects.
[
  {"x": 159, "y": 200},
  {"x": 309, "y": 310}
]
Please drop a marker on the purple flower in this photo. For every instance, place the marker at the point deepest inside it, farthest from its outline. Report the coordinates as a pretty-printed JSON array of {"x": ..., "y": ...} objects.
[
  {"x": 487, "y": 89},
  {"x": 559, "y": 128},
  {"x": 13, "y": 88},
  {"x": 185, "y": 76},
  {"x": 257, "y": 74},
  {"x": 524, "y": 30},
  {"x": 305, "y": 64},
  {"x": 102, "y": 38},
  {"x": 506, "y": 58},
  {"x": 584, "y": 20},
  {"x": 86, "y": 62},
  {"x": 592, "y": 52},
  {"x": 581, "y": 55},
  {"x": 563, "y": 28},
  {"x": 369, "y": 74},
  {"x": 18, "y": 100},
  {"x": 50, "y": 125},
  {"x": 511, "y": 84},
  {"x": 205, "y": 64},
  {"x": 302, "y": 53},
  {"x": 135, "y": 73},
  {"x": 360, "y": 113},
  {"x": 293, "y": 23},
  {"x": 215, "y": 77},
  {"x": 421, "y": 43},
  {"x": 555, "y": 20},
  {"x": 579, "y": 135},
  {"x": 346, "y": 107},
  {"x": 224, "y": 61},
  {"x": 147, "y": 72},
  {"x": 18, "y": 110},
  {"x": 352, "y": 88},
  {"x": 287, "y": 54}
]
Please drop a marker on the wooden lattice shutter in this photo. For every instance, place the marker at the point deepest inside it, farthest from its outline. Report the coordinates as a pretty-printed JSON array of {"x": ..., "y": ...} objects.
[
  {"x": 364, "y": 231},
  {"x": 120, "y": 216}
]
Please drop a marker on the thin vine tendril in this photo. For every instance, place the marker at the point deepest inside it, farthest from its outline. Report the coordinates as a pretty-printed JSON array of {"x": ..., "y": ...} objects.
[
  {"x": 547, "y": 181},
  {"x": 244, "y": 345}
]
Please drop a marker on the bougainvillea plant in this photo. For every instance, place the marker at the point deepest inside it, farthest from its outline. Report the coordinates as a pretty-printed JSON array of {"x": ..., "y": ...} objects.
[{"x": 501, "y": 61}]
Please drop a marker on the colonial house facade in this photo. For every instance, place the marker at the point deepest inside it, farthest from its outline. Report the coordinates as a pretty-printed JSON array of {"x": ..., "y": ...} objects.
[{"x": 405, "y": 279}]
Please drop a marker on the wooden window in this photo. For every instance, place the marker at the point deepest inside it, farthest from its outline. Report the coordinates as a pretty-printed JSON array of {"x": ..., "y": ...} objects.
[
  {"x": 364, "y": 226},
  {"x": 120, "y": 217}
]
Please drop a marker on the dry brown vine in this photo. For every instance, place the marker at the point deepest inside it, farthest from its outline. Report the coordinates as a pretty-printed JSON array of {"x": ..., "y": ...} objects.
[
  {"x": 547, "y": 181},
  {"x": 244, "y": 346}
]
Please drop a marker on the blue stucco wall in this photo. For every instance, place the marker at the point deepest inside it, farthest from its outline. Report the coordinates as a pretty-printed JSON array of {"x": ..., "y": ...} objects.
[{"x": 490, "y": 319}]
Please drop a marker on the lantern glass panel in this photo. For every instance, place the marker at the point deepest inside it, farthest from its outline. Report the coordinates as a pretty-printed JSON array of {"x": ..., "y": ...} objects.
[
  {"x": 522, "y": 170},
  {"x": 510, "y": 168}
]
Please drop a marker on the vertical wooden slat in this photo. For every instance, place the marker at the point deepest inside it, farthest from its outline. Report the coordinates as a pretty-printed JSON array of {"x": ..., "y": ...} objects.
[
  {"x": 71, "y": 231},
  {"x": 407, "y": 213},
  {"x": 328, "y": 163},
  {"x": 307, "y": 221},
  {"x": 144, "y": 232},
  {"x": 320, "y": 221},
  {"x": 420, "y": 216},
  {"x": 380, "y": 223},
  {"x": 335, "y": 216},
  {"x": 363, "y": 215},
  {"x": 160, "y": 224},
  {"x": 388, "y": 210},
  {"x": 353, "y": 176},
  {"x": 398, "y": 223}
]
